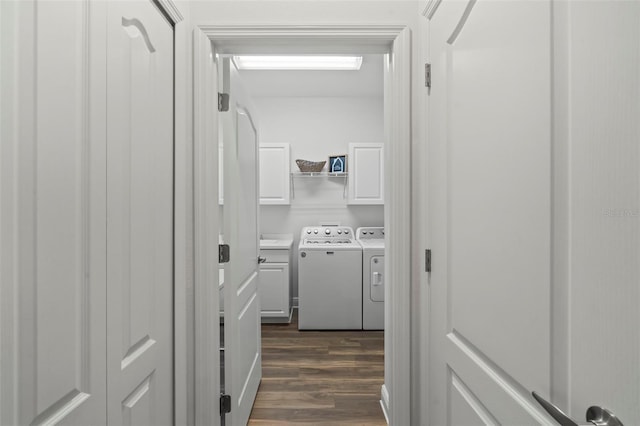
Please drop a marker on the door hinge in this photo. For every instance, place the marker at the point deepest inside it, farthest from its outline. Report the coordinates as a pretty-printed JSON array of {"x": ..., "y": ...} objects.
[
  {"x": 223, "y": 253},
  {"x": 427, "y": 260},
  {"x": 223, "y": 102},
  {"x": 225, "y": 404},
  {"x": 427, "y": 75}
]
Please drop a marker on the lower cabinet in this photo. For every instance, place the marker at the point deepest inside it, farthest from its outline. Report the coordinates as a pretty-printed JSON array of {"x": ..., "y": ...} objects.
[
  {"x": 274, "y": 290},
  {"x": 275, "y": 286}
]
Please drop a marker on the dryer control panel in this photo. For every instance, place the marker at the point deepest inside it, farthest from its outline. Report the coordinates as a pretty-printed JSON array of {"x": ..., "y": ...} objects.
[{"x": 370, "y": 233}]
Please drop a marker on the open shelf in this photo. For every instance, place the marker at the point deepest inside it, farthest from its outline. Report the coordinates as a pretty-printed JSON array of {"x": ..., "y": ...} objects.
[
  {"x": 343, "y": 175},
  {"x": 318, "y": 174}
]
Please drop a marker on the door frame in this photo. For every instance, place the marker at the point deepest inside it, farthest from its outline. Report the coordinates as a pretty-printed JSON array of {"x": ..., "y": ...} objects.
[
  {"x": 172, "y": 12},
  {"x": 394, "y": 40}
]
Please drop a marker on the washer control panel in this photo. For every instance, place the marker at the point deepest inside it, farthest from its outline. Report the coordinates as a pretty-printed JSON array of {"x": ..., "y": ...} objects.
[{"x": 330, "y": 233}]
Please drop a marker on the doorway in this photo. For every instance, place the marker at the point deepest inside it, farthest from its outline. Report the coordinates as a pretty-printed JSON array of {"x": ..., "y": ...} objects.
[
  {"x": 329, "y": 110},
  {"x": 392, "y": 40}
]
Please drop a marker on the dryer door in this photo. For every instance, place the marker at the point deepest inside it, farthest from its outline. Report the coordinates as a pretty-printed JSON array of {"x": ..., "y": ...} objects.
[{"x": 376, "y": 289}]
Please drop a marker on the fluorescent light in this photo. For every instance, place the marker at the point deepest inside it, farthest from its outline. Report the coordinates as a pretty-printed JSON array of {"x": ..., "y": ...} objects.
[{"x": 308, "y": 62}]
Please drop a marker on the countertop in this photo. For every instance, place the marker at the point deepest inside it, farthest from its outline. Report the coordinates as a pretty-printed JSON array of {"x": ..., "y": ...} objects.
[{"x": 276, "y": 241}]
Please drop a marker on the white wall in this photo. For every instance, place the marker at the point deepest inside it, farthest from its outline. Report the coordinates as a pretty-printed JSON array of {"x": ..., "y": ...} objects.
[{"x": 316, "y": 128}]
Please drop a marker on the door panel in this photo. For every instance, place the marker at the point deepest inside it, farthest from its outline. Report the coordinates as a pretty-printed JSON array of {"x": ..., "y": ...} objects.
[
  {"x": 490, "y": 164},
  {"x": 139, "y": 214},
  {"x": 242, "y": 338},
  {"x": 248, "y": 244},
  {"x": 601, "y": 165},
  {"x": 274, "y": 294},
  {"x": 465, "y": 407},
  {"x": 485, "y": 230},
  {"x": 52, "y": 276}
]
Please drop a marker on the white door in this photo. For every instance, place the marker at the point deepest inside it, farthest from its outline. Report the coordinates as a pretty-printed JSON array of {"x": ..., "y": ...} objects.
[
  {"x": 242, "y": 338},
  {"x": 139, "y": 215},
  {"x": 534, "y": 282},
  {"x": 52, "y": 215},
  {"x": 490, "y": 181}
]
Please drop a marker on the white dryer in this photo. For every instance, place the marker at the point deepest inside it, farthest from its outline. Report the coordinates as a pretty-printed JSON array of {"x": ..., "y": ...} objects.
[
  {"x": 329, "y": 279},
  {"x": 372, "y": 241}
]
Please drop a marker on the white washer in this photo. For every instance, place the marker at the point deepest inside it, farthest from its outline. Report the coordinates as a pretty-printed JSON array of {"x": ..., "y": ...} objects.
[
  {"x": 372, "y": 241},
  {"x": 329, "y": 279}
]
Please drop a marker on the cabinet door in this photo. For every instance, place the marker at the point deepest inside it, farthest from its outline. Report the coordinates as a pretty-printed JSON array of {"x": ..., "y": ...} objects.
[
  {"x": 274, "y": 173},
  {"x": 366, "y": 173},
  {"x": 274, "y": 289}
]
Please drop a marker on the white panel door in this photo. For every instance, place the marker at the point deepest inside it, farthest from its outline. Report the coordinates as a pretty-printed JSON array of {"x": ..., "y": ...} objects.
[
  {"x": 139, "y": 215},
  {"x": 504, "y": 320},
  {"x": 52, "y": 215},
  {"x": 242, "y": 338},
  {"x": 490, "y": 186}
]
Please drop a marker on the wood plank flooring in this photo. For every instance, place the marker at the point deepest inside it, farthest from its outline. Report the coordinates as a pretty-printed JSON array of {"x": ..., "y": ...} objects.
[{"x": 319, "y": 377}]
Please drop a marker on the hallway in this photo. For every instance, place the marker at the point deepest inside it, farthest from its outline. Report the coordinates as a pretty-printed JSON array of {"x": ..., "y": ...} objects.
[{"x": 328, "y": 377}]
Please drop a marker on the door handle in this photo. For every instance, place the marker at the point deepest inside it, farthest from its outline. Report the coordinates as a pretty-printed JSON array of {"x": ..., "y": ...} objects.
[
  {"x": 597, "y": 416},
  {"x": 377, "y": 278},
  {"x": 261, "y": 259}
]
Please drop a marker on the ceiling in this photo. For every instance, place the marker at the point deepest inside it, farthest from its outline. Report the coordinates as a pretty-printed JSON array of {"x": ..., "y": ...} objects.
[{"x": 368, "y": 81}]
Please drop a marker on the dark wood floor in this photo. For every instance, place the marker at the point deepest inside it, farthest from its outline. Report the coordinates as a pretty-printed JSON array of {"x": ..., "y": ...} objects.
[{"x": 319, "y": 377}]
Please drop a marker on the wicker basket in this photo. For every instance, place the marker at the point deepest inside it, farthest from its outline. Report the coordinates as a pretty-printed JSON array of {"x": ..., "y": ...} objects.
[{"x": 310, "y": 166}]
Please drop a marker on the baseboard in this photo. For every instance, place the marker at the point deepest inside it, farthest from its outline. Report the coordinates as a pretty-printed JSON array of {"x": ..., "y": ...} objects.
[
  {"x": 278, "y": 320},
  {"x": 384, "y": 402}
]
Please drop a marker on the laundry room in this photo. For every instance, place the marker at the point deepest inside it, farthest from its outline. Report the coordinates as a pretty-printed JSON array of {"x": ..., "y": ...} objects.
[
  {"x": 319, "y": 123},
  {"x": 331, "y": 122}
]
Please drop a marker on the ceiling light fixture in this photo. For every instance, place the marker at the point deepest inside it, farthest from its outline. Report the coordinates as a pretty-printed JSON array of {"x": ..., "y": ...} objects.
[{"x": 308, "y": 62}]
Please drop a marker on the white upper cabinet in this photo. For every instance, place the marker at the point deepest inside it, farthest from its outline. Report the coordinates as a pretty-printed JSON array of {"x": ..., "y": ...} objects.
[
  {"x": 274, "y": 173},
  {"x": 366, "y": 173}
]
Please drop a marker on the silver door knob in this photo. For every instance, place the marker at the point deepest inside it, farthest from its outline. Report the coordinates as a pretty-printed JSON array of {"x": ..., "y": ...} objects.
[{"x": 597, "y": 416}]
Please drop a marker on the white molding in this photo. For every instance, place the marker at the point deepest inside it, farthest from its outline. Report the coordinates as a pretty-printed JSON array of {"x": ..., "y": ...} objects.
[
  {"x": 206, "y": 220},
  {"x": 247, "y": 33},
  {"x": 183, "y": 349},
  {"x": 398, "y": 236},
  {"x": 431, "y": 8},
  {"x": 171, "y": 10},
  {"x": 246, "y": 38},
  {"x": 9, "y": 212},
  {"x": 394, "y": 39}
]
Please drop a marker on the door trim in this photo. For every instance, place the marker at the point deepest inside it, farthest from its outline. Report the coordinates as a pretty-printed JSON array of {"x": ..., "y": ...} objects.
[
  {"x": 394, "y": 40},
  {"x": 171, "y": 12}
]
